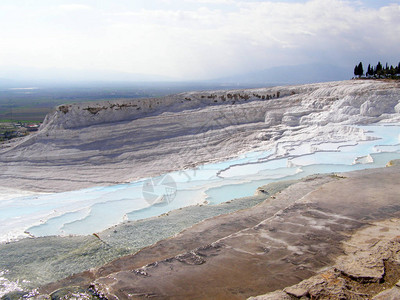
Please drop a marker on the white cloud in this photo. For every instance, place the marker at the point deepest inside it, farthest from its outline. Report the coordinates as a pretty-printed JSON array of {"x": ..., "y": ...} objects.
[
  {"x": 74, "y": 7},
  {"x": 211, "y": 1},
  {"x": 263, "y": 34},
  {"x": 207, "y": 41}
]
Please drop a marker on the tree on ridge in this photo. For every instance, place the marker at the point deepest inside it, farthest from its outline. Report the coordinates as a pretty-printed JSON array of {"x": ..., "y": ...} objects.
[{"x": 359, "y": 70}]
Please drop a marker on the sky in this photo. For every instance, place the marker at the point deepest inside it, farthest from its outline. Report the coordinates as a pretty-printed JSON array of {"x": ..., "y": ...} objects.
[{"x": 195, "y": 39}]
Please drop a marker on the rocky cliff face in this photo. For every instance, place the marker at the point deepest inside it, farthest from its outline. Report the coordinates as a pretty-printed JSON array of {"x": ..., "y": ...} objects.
[{"x": 88, "y": 144}]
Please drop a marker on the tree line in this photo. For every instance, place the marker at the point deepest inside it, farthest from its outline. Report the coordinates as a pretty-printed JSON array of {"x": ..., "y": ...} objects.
[{"x": 378, "y": 71}]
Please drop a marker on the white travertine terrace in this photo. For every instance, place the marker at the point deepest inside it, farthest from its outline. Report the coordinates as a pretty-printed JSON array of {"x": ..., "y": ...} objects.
[{"x": 100, "y": 145}]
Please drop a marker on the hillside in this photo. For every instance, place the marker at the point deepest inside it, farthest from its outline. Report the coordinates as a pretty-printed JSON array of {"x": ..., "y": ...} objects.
[{"x": 102, "y": 143}]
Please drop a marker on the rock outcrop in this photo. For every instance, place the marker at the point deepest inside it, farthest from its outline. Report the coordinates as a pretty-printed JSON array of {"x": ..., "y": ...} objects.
[{"x": 369, "y": 269}]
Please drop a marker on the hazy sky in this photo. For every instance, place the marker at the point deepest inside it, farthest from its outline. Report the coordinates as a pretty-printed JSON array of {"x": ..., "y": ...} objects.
[{"x": 195, "y": 39}]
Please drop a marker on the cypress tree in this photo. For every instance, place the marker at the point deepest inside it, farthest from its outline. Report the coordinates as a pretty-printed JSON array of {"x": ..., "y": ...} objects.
[
  {"x": 379, "y": 69},
  {"x": 360, "y": 70}
]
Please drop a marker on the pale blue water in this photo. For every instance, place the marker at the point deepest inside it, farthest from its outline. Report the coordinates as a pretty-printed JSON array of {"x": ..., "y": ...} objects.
[
  {"x": 319, "y": 162},
  {"x": 92, "y": 210}
]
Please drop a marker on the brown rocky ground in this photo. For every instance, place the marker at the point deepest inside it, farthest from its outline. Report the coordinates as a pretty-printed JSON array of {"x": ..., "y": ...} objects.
[
  {"x": 369, "y": 269},
  {"x": 326, "y": 237}
]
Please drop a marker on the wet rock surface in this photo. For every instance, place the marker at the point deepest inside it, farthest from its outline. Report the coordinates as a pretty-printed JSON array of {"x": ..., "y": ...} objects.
[
  {"x": 203, "y": 233},
  {"x": 310, "y": 226},
  {"x": 370, "y": 266},
  {"x": 37, "y": 262}
]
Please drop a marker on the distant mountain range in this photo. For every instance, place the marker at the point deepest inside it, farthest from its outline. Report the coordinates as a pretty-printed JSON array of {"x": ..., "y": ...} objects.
[
  {"x": 21, "y": 76},
  {"x": 299, "y": 74}
]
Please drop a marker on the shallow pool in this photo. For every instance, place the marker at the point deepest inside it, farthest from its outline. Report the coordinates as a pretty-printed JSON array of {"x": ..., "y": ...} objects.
[{"x": 92, "y": 210}]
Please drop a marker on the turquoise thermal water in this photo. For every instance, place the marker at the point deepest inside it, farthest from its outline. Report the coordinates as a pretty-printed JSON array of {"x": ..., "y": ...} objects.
[{"x": 92, "y": 210}]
